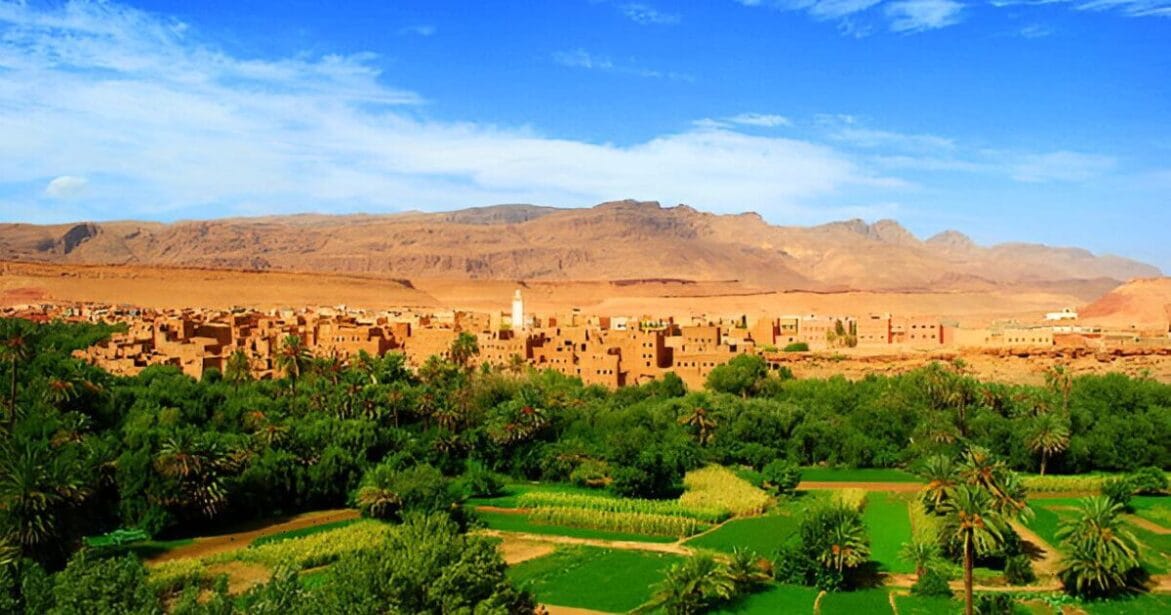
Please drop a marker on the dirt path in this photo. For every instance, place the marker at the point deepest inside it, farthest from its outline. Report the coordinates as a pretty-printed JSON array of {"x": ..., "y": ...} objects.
[
  {"x": 673, "y": 548},
  {"x": 1147, "y": 524},
  {"x": 553, "y": 609},
  {"x": 888, "y": 487},
  {"x": 211, "y": 545},
  {"x": 515, "y": 551},
  {"x": 1050, "y": 561}
]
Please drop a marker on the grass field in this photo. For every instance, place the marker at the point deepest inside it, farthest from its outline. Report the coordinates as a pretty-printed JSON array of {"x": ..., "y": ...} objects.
[
  {"x": 777, "y": 599},
  {"x": 1156, "y": 509},
  {"x": 764, "y": 535},
  {"x": 513, "y": 490},
  {"x": 515, "y": 522},
  {"x": 1146, "y": 604},
  {"x": 921, "y": 605},
  {"x": 301, "y": 533},
  {"x": 589, "y": 578},
  {"x": 1046, "y": 522},
  {"x": 889, "y": 526},
  {"x": 1157, "y": 553},
  {"x": 853, "y": 603},
  {"x": 867, "y": 475}
]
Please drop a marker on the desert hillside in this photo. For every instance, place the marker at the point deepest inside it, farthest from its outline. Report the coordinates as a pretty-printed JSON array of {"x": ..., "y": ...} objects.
[
  {"x": 1141, "y": 304},
  {"x": 612, "y": 241}
]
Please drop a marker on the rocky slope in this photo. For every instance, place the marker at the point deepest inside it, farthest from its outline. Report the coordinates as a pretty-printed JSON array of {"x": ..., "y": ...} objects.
[{"x": 612, "y": 241}]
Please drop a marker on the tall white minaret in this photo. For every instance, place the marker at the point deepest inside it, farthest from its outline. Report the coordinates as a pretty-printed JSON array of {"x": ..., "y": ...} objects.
[{"x": 518, "y": 312}]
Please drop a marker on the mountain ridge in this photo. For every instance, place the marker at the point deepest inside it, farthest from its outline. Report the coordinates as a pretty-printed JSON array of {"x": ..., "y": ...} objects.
[{"x": 610, "y": 241}]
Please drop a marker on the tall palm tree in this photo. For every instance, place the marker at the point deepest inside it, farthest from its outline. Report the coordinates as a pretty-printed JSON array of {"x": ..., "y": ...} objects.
[
  {"x": 463, "y": 349},
  {"x": 942, "y": 478},
  {"x": 17, "y": 340},
  {"x": 1103, "y": 555},
  {"x": 1048, "y": 435},
  {"x": 238, "y": 369},
  {"x": 971, "y": 518},
  {"x": 292, "y": 359},
  {"x": 1060, "y": 380},
  {"x": 197, "y": 465}
]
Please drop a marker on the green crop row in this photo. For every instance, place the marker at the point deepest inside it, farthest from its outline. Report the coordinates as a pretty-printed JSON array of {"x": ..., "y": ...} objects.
[
  {"x": 538, "y": 499},
  {"x": 313, "y": 550},
  {"x": 626, "y": 522}
]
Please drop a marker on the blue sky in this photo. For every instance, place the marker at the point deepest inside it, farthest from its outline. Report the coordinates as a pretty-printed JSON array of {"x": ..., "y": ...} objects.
[{"x": 1010, "y": 120}]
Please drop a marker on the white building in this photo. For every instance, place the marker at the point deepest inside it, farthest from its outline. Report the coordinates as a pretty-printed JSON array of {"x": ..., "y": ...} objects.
[
  {"x": 518, "y": 312},
  {"x": 1066, "y": 314}
]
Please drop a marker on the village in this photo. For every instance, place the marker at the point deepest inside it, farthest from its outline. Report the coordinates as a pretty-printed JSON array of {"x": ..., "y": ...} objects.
[{"x": 600, "y": 350}]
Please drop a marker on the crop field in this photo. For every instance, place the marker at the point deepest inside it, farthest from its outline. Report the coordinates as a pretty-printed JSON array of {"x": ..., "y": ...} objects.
[
  {"x": 776, "y": 599},
  {"x": 923, "y": 605},
  {"x": 301, "y": 533},
  {"x": 514, "y": 491},
  {"x": 1156, "y": 509},
  {"x": 590, "y": 578},
  {"x": 866, "y": 475},
  {"x": 607, "y": 503},
  {"x": 852, "y": 603},
  {"x": 889, "y": 524},
  {"x": 716, "y": 487},
  {"x": 519, "y": 522},
  {"x": 648, "y": 524},
  {"x": 763, "y": 535}
]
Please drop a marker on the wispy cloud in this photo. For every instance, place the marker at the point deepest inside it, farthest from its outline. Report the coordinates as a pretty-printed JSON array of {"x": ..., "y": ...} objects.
[
  {"x": 1062, "y": 166},
  {"x": 1130, "y": 8},
  {"x": 1035, "y": 30},
  {"x": 580, "y": 58},
  {"x": 922, "y": 15},
  {"x": 161, "y": 123},
  {"x": 764, "y": 120},
  {"x": 418, "y": 30},
  {"x": 648, "y": 15}
]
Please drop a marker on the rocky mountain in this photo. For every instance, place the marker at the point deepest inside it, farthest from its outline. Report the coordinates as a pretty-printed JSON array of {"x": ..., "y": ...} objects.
[{"x": 612, "y": 241}]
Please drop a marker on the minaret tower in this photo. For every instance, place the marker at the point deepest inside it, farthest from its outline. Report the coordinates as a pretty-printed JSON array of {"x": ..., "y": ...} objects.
[{"x": 518, "y": 313}]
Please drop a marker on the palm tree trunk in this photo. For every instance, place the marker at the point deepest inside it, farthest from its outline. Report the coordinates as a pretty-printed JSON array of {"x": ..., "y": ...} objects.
[
  {"x": 12, "y": 398},
  {"x": 967, "y": 574},
  {"x": 1044, "y": 460}
]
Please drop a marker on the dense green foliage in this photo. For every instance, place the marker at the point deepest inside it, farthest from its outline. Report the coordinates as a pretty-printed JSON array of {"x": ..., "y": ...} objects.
[{"x": 84, "y": 453}]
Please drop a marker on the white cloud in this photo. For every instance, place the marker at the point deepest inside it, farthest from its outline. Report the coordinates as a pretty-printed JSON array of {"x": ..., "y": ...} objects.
[
  {"x": 419, "y": 30},
  {"x": 177, "y": 127},
  {"x": 648, "y": 15},
  {"x": 1129, "y": 8},
  {"x": 580, "y": 58},
  {"x": 764, "y": 120},
  {"x": 66, "y": 187},
  {"x": 921, "y": 15},
  {"x": 1061, "y": 166},
  {"x": 1035, "y": 31}
]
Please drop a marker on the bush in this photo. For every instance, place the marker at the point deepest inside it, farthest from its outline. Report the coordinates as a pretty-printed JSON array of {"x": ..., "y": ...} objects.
[
  {"x": 480, "y": 482},
  {"x": 1149, "y": 481},
  {"x": 1118, "y": 490},
  {"x": 996, "y": 603},
  {"x": 103, "y": 585},
  {"x": 590, "y": 473},
  {"x": 386, "y": 492},
  {"x": 933, "y": 582},
  {"x": 781, "y": 476},
  {"x": 1018, "y": 570},
  {"x": 797, "y": 347}
]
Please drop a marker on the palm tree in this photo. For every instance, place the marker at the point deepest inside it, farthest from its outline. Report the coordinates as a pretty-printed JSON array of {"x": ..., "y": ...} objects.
[
  {"x": 38, "y": 484},
  {"x": 1061, "y": 381},
  {"x": 516, "y": 364},
  {"x": 1103, "y": 555},
  {"x": 238, "y": 369},
  {"x": 703, "y": 424},
  {"x": 845, "y": 544},
  {"x": 942, "y": 477},
  {"x": 746, "y": 569},
  {"x": 196, "y": 465},
  {"x": 463, "y": 349},
  {"x": 922, "y": 551},
  {"x": 16, "y": 345},
  {"x": 292, "y": 359},
  {"x": 692, "y": 585},
  {"x": 1048, "y": 435},
  {"x": 59, "y": 390},
  {"x": 971, "y": 518}
]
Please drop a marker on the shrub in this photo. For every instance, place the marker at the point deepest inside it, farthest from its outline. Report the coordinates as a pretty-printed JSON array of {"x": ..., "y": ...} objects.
[
  {"x": 1018, "y": 570},
  {"x": 851, "y": 498},
  {"x": 933, "y": 582},
  {"x": 1149, "y": 481},
  {"x": 995, "y": 603},
  {"x": 386, "y": 492},
  {"x": 1118, "y": 490},
  {"x": 103, "y": 585},
  {"x": 797, "y": 347},
  {"x": 781, "y": 476},
  {"x": 480, "y": 482},
  {"x": 590, "y": 473}
]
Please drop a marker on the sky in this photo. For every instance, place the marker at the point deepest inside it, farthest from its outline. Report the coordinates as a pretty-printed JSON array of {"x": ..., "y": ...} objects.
[{"x": 1011, "y": 120}]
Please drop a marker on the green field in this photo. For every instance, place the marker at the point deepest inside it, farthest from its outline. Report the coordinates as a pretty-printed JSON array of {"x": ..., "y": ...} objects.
[
  {"x": 867, "y": 475},
  {"x": 922, "y": 605},
  {"x": 147, "y": 549},
  {"x": 301, "y": 533},
  {"x": 1145, "y": 604},
  {"x": 889, "y": 526},
  {"x": 764, "y": 535},
  {"x": 1153, "y": 508},
  {"x": 589, "y": 578},
  {"x": 853, "y": 603},
  {"x": 517, "y": 522},
  {"x": 776, "y": 599},
  {"x": 1046, "y": 522}
]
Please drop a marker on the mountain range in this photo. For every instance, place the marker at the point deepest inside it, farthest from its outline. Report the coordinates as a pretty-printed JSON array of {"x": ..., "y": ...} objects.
[{"x": 620, "y": 240}]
